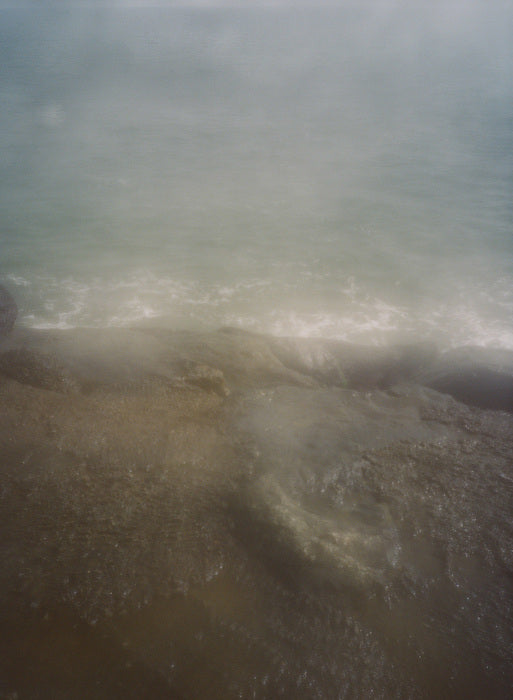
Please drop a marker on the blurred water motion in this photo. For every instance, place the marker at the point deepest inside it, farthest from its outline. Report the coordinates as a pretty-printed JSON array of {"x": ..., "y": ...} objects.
[{"x": 341, "y": 172}]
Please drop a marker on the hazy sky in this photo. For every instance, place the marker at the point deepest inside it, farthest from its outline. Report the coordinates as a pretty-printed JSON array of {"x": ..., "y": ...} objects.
[
  {"x": 462, "y": 5},
  {"x": 175, "y": 3},
  {"x": 455, "y": 8}
]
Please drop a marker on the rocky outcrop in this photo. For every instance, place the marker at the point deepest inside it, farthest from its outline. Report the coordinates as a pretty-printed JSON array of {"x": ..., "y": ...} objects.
[
  {"x": 234, "y": 360},
  {"x": 37, "y": 369},
  {"x": 475, "y": 376},
  {"x": 8, "y": 311},
  {"x": 301, "y": 518}
]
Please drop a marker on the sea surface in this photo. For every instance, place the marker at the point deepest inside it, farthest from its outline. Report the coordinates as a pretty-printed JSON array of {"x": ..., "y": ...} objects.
[{"x": 344, "y": 172}]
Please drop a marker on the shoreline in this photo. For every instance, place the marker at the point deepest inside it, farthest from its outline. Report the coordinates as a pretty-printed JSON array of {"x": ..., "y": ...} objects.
[{"x": 474, "y": 375}]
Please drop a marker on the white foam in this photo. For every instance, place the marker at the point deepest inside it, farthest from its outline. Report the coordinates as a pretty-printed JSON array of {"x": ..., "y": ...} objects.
[
  {"x": 260, "y": 305},
  {"x": 18, "y": 280}
]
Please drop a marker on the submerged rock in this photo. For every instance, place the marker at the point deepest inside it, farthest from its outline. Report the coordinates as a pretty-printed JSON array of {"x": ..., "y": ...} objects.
[
  {"x": 36, "y": 369},
  {"x": 8, "y": 311},
  {"x": 336, "y": 363},
  {"x": 475, "y": 376}
]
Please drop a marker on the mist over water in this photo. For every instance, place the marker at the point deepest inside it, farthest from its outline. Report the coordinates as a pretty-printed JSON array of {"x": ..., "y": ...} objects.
[
  {"x": 192, "y": 511},
  {"x": 342, "y": 172}
]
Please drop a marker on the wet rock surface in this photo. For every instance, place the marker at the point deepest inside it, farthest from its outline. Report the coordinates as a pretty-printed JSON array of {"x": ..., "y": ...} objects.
[
  {"x": 8, "y": 311},
  {"x": 231, "y": 515},
  {"x": 476, "y": 376}
]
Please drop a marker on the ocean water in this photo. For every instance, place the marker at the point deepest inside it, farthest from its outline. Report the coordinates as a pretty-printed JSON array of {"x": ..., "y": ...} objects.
[{"x": 344, "y": 172}]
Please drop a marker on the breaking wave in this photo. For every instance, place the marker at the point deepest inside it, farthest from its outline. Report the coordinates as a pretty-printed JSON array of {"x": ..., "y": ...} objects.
[{"x": 263, "y": 305}]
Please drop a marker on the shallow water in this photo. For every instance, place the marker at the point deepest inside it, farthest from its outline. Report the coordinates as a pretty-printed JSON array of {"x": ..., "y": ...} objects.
[{"x": 342, "y": 172}]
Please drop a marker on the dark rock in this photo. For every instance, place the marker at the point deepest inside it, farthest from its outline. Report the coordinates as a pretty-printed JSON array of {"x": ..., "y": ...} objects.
[
  {"x": 475, "y": 376},
  {"x": 379, "y": 368},
  {"x": 37, "y": 370},
  {"x": 8, "y": 311}
]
